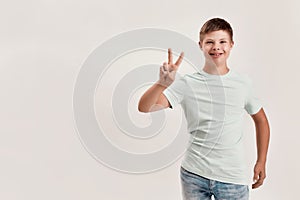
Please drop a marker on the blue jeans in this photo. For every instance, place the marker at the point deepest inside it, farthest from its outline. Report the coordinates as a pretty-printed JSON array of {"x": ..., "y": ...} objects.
[{"x": 195, "y": 187}]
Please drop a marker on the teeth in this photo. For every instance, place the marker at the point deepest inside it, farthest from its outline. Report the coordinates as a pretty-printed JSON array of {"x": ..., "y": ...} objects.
[{"x": 216, "y": 54}]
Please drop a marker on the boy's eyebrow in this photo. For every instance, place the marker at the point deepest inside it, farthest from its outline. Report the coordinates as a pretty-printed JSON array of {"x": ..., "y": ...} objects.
[{"x": 219, "y": 39}]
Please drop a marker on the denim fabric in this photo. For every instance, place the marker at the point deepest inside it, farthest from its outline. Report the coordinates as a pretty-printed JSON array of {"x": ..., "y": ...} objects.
[{"x": 195, "y": 187}]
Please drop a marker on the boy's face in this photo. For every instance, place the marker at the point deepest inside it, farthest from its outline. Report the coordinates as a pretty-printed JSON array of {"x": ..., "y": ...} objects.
[{"x": 216, "y": 46}]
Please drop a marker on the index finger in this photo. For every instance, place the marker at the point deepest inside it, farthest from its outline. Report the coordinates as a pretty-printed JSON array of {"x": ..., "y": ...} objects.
[
  {"x": 179, "y": 60},
  {"x": 259, "y": 180},
  {"x": 257, "y": 184},
  {"x": 170, "y": 56}
]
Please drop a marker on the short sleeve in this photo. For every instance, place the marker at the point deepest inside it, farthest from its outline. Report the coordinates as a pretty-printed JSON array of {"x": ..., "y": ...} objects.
[
  {"x": 252, "y": 102},
  {"x": 175, "y": 92}
]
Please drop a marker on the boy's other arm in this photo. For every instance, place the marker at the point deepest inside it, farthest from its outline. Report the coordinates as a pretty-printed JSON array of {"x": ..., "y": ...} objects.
[{"x": 262, "y": 143}]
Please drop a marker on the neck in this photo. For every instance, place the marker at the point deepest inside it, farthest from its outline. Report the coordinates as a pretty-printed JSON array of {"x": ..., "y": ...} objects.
[{"x": 216, "y": 69}]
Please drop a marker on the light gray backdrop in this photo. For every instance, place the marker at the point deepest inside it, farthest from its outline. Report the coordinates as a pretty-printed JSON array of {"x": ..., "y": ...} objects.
[{"x": 43, "y": 46}]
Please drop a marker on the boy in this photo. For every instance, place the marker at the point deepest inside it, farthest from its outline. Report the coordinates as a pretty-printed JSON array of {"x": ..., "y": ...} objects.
[{"x": 213, "y": 163}]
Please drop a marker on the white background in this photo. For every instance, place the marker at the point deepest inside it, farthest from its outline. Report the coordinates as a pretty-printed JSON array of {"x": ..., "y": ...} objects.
[{"x": 42, "y": 47}]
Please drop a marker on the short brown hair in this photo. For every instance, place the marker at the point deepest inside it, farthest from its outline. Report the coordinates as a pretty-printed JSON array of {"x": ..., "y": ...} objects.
[{"x": 216, "y": 24}]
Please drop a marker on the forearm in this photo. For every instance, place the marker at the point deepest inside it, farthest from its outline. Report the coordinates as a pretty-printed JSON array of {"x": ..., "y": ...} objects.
[
  {"x": 262, "y": 139},
  {"x": 150, "y": 97}
]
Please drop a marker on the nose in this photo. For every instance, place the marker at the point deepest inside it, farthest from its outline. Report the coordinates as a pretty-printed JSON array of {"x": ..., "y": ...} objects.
[{"x": 216, "y": 47}]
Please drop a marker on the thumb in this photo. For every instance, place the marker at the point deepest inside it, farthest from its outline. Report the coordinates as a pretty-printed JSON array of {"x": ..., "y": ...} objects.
[{"x": 256, "y": 175}]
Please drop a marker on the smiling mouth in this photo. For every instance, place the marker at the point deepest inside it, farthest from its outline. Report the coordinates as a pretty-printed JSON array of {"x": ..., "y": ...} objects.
[{"x": 216, "y": 55}]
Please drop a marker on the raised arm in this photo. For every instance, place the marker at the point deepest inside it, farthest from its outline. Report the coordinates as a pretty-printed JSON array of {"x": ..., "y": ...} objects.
[
  {"x": 154, "y": 99},
  {"x": 262, "y": 143}
]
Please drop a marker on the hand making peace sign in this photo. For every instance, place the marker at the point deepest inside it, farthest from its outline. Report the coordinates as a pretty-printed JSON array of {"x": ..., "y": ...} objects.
[{"x": 168, "y": 70}]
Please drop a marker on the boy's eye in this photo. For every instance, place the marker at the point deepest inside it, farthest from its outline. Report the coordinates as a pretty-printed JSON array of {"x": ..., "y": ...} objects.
[
  {"x": 209, "y": 42},
  {"x": 223, "y": 41}
]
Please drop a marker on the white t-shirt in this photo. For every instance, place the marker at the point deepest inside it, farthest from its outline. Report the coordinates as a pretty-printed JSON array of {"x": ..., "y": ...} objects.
[{"x": 214, "y": 107}]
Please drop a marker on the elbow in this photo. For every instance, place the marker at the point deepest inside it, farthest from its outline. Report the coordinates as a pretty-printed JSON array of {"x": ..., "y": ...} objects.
[{"x": 141, "y": 108}]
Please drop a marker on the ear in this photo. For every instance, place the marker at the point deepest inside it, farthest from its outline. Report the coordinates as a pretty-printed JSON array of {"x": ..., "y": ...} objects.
[
  {"x": 200, "y": 44},
  {"x": 232, "y": 44}
]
